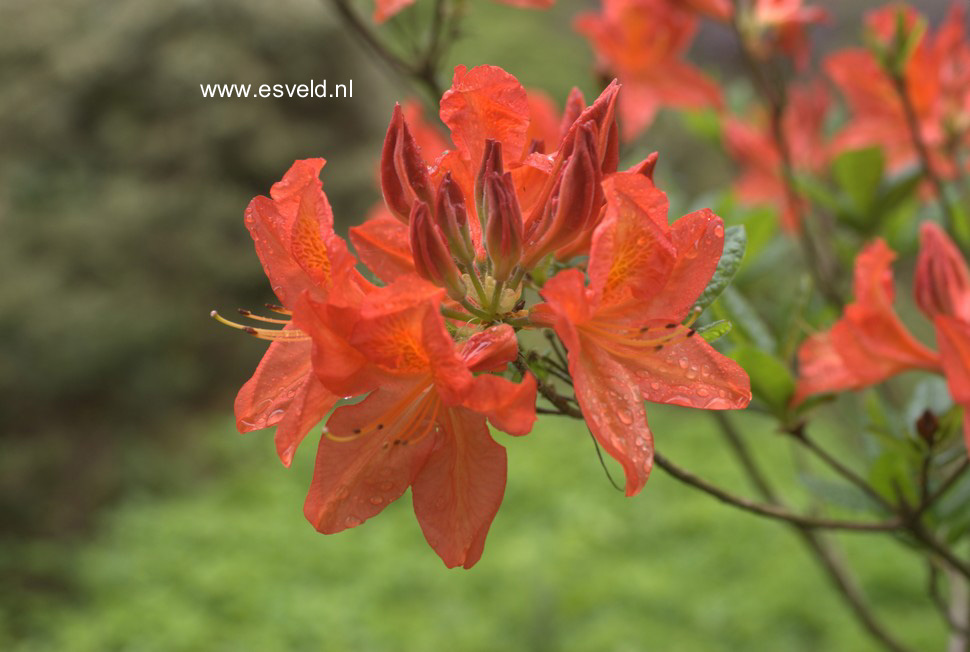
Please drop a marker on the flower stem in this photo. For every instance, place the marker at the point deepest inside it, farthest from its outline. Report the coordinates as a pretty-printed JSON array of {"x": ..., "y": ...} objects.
[{"x": 923, "y": 151}]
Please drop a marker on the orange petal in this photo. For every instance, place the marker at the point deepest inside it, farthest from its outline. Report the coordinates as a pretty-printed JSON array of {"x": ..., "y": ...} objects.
[
  {"x": 821, "y": 369},
  {"x": 565, "y": 295},
  {"x": 698, "y": 239},
  {"x": 390, "y": 332},
  {"x": 382, "y": 244},
  {"x": 385, "y": 9},
  {"x": 608, "y": 395},
  {"x": 310, "y": 405},
  {"x": 263, "y": 400},
  {"x": 288, "y": 191},
  {"x": 491, "y": 349},
  {"x": 460, "y": 488},
  {"x": 510, "y": 407},
  {"x": 544, "y": 120},
  {"x": 688, "y": 372},
  {"x": 356, "y": 479},
  {"x": 953, "y": 338},
  {"x": 632, "y": 254},
  {"x": 486, "y": 102}
]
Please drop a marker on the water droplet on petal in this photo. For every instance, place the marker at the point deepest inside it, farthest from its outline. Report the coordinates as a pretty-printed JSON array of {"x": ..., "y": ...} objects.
[
  {"x": 684, "y": 363},
  {"x": 352, "y": 521},
  {"x": 719, "y": 231},
  {"x": 625, "y": 416},
  {"x": 376, "y": 500}
]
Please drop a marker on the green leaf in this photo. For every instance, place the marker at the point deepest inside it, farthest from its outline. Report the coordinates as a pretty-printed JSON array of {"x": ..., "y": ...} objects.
[
  {"x": 747, "y": 320},
  {"x": 771, "y": 382},
  {"x": 859, "y": 173},
  {"x": 735, "y": 242},
  {"x": 715, "y": 330}
]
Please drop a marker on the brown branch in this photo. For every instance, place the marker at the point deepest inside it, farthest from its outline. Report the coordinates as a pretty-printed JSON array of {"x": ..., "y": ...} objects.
[
  {"x": 799, "y": 434},
  {"x": 922, "y": 149},
  {"x": 771, "y": 510},
  {"x": 825, "y": 554},
  {"x": 774, "y": 97},
  {"x": 424, "y": 75}
]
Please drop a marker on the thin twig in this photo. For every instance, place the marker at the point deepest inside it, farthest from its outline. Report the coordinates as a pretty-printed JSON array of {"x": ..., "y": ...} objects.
[
  {"x": 933, "y": 588},
  {"x": 799, "y": 434},
  {"x": 424, "y": 74},
  {"x": 827, "y": 556},
  {"x": 944, "y": 487},
  {"x": 922, "y": 150},
  {"x": 775, "y": 100}
]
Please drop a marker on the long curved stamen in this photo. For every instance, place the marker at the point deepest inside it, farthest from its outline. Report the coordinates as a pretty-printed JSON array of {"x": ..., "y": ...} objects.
[
  {"x": 278, "y": 309},
  {"x": 255, "y": 317},
  {"x": 292, "y": 335},
  {"x": 626, "y": 340},
  {"x": 403, "y": 407}
]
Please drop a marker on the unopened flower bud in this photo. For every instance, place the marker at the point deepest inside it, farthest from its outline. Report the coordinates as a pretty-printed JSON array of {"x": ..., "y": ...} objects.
[
  {"x": 575, "y": 202},
  {"x": 942, "y": 284},
  {"x": 404, "y": 175},
  {"x": 602, "y": 113},
  {"x": 432, "y": 259},
  {"x": 647, "y": 166},
  {"x": 503, "y": 225},
  {"x": 452, "y": 218},
  {"x": 575, "y": 104},
  {"x": 491, "y": 162}
]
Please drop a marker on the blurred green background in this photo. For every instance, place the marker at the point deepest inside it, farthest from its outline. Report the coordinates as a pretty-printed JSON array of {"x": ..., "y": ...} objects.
[{"x": 133, "y": 517}]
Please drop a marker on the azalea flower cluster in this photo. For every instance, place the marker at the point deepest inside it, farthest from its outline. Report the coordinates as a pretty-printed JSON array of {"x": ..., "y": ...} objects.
[
  {"x": 643, "y": 42},
  {"x": 413, "y": 345},
  {"x": 870, "y": 344}
]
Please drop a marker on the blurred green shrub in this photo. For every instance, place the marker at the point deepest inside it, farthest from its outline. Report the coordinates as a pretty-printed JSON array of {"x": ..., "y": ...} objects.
[{"x": 121, "y": 200}]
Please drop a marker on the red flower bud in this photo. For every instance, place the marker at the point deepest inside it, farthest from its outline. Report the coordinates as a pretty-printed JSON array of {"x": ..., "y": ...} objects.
[
  {"x": 452, "y": 218},
  {"x": 575, "y": 104},
  {"x": 404, "y": 175},
  {"x": 575, "y": 202},
  {"x": 602, "y": 113},
  {"x": 942, "y": 284},
  {"x": 647, "y": 166},
  {"x": 503, "y": 225},
  {"x": 432, "y": 259},
  {"x": 491, "y": 162}
]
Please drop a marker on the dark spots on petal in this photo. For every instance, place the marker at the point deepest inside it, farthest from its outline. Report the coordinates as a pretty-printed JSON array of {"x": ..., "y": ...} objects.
[
  {"x": 691, "y": 333},
  {"x": 658, "y": 347}
]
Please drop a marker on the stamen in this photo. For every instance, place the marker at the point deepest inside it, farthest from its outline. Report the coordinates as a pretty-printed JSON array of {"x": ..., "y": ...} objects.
[
  {"x": 292, "y": 335},
  {"x": 403, "y": 411},
  {"x": 255, "y": 317},
  {"x": 278, "y": 309},
  {"x": 627, "y": 341}
]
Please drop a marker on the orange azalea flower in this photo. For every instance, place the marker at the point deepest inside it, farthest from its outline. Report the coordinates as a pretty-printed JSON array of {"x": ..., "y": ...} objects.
[
  {"x": 624, "y": 333},
  {"x": 293, "y": 233},
  {"x": 769, "y": 24},
  {"x": 643, "y": 43},
  {"x": 869, "y": 343},
  {"x": 936, "y": 79},
  {"x": 753, "y": 146},
  {"x": 471, "y": 227},
  {"x": 422, "y": 423},
  {"x": 942, "y": 287},
  {"x": 387, "y": 8}
]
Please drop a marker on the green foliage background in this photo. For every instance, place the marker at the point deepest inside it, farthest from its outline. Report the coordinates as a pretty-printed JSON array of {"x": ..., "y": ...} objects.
[{"x": 131, "y": 519}]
